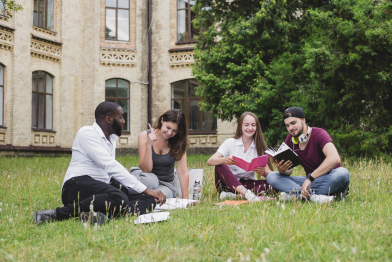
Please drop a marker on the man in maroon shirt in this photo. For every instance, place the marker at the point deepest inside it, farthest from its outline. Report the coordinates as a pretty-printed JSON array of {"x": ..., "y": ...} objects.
[{"x": 325, "y": 177}]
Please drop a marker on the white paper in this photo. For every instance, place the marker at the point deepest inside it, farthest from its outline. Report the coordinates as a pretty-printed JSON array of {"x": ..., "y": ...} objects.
[
  {"x": 174, "y": 203},
  {"x": 152, "y": 217}
]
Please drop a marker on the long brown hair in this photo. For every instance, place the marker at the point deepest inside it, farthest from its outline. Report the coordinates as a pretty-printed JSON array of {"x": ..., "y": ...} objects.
[
  {"x": 179, "y": 143},
  {"x": 258, "y": 137}
]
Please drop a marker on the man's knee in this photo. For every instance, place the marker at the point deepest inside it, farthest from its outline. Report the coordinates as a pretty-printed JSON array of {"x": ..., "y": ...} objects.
[
  {"x": 341, "y": 175},
  {"x": 118, "y": 198},
  {"x": 272, "y": 177}
]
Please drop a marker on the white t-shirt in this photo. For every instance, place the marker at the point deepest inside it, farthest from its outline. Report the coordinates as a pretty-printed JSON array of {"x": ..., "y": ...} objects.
[{"x": 235, "y": 147}]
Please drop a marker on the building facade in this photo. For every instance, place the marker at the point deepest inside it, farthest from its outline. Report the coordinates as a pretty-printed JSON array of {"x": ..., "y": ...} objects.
[{"x": 59, "y": 59}]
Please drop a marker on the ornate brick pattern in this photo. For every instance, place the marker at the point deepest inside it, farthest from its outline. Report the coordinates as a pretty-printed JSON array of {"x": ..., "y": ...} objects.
[
  {"x": 6, "y": 39},
  {"x": 45, "y": 50},
  {"x": 181, "y": 59},
  {"x": 43, "y": 30},
  {"x": 118, "y": 57},
  {"x": 43, "y": 138}
]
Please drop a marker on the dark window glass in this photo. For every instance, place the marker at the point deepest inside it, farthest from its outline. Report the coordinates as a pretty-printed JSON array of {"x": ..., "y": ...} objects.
[
  {"x": 2, "y": 8},
  {"x": 185, "y": 29},
  {"x": 117, "y": 90},
  {"x": 1, "y": 93},
  {"x": 117, "y": 20},
  {"x": 43, "y": 14},
  {"x": 42, "y": 100},
  {"x": 184, "y": 97}
]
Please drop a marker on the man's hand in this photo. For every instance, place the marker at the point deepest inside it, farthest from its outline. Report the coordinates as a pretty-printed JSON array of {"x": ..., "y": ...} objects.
[
  {"x": 283, "y": 166},
  {"x": 157, "y": 194},
  {"x": 305, "y": 188},
  {"x": 261, "y": 171}
]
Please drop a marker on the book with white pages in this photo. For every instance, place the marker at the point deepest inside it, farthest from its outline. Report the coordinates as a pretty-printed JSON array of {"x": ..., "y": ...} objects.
[
  {"x": 175, "y": 203},
  {"x": 152, "y": 218},
  {"x": 285, "y": 153}
]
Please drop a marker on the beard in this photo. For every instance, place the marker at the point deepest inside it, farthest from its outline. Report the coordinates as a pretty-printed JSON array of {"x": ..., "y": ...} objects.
[
  {"x": 300, "y": 131},
  {"x": 116, "y": 127}
]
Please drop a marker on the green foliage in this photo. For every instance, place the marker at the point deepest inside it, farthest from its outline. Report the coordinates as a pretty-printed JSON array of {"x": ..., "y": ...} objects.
[
  {"x": 10, "y": 5},
  {"x": 331, "y": 58}
]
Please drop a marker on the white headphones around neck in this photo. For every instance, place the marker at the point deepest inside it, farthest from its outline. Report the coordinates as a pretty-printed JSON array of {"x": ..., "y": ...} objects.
[{"x": 302, "y": 138}]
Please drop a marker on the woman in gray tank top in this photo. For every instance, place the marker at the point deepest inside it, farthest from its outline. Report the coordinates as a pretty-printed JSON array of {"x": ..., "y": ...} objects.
[{"x": 159, "y": 148}]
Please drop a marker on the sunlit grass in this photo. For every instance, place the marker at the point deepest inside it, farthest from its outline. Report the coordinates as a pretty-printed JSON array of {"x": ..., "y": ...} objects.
[{"x": 356, "y": 229}]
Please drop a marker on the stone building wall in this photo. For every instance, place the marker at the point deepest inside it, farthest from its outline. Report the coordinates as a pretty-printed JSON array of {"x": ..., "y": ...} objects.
[{"x": 80, "y": 60}]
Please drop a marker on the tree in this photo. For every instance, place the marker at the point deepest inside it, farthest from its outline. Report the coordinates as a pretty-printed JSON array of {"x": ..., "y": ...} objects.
[
  {"x": 267, "y": 56},
  {"x": 9, "y": 6}
]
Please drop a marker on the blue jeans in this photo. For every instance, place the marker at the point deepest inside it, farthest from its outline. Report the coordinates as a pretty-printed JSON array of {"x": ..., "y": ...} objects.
[{"x": 335, "y": 182}]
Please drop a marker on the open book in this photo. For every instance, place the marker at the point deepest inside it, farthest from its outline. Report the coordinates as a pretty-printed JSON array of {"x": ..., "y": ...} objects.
[
  {"x": 260, "y": 161},
  {"x": 174, "y": 203},
  {"x": 284, "y": 153}
]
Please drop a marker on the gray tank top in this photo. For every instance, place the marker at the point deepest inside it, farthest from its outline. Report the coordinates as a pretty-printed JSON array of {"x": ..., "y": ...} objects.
[{"x": 162, "y": 165}]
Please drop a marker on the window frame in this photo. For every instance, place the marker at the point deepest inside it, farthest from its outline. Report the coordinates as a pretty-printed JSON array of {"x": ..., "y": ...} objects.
[
  {"x": 46, "y": 14},
  {"x": 189, "y": 40},
  {"x": 4, "y": 10},
  {"x": 187, "y": 99},
  {"x": 116, "y": 18},
  {"x": 37, "y": 101},
  {"x": 2, "y": 102},
  {"x": 124, "y": 132}
]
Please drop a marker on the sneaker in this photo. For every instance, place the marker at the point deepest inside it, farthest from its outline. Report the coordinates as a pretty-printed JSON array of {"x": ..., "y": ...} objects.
[
  {"x": 45, "y": 216},
  {"x": 251, "y": 197},
  {"x": 286, "y": 197},
  {"x": 97, "y": 218},
  {"x": 322, "y": 199},
  {"x": 224, "y": 195}
]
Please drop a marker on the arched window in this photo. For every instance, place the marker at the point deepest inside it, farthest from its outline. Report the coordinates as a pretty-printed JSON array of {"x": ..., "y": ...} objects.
[
  {"x": 43, "y": 14},
  {"x": 185, "y": 28},
  {"x": 184, "y": 98},
  {"x": 117, "y": 20},
  {"x": 42, "y": 101},
  {"x": 1, "y": 95},
  {"x": 117, "y": 90}
]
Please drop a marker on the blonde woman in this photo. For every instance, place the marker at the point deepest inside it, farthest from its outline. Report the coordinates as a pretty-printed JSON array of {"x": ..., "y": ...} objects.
[{"x": 248, "y": 143}]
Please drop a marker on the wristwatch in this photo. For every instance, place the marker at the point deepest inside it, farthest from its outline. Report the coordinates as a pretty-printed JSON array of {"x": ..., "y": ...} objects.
[{"x": 309, "y": 176}]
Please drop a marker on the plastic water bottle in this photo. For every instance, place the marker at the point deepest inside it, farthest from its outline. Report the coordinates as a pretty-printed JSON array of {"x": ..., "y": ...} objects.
[{"x": 196, "y": 190}]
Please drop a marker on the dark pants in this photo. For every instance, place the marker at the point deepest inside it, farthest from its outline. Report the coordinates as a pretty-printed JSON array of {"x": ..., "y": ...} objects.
[
  {"x": 79, "y": 192},
  {"x": 226, "y": 181}
]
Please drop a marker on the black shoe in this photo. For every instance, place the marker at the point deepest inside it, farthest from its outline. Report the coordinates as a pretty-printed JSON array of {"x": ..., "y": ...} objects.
[
  {"x": 44, "y": 216},
  {"x": 98, "y": 218}
]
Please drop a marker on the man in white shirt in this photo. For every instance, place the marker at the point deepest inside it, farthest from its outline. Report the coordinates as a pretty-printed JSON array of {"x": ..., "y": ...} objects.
[{"x": 88, "y": 176}]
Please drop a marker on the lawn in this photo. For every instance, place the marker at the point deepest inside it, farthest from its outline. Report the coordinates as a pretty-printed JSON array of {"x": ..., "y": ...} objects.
[{"x": 356, "y": 229}]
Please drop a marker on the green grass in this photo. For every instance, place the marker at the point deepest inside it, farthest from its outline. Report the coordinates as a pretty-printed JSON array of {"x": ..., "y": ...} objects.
[{"x": 356, "y": 229}]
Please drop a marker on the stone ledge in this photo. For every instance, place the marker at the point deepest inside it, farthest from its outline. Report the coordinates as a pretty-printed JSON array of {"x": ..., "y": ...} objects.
[
  {"x": 4, "y": 18},
  {"x": 45, "y": 31}
]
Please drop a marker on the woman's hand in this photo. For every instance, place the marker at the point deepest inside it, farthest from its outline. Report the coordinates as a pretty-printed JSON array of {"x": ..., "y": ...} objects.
[
  {"x": 152, "y": 136},
  {"x": 230, "y": 161},
  {"x": 261, "y": 171}
]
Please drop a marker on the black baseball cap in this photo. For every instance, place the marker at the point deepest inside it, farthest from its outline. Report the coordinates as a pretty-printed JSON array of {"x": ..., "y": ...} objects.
[{"x": 295, "y": 112}]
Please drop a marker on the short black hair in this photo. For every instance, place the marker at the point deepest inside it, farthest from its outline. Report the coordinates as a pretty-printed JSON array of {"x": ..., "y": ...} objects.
[{"x": 106, "y": 108}]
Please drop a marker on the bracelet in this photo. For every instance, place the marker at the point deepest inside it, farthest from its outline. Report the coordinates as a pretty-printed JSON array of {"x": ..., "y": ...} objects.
[{"x": 309, "y": 176}]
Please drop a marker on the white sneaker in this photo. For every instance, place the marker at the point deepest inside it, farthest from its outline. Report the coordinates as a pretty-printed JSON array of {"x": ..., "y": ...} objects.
[
  {"x": 251, "y": 197},
  {"x": 322, "y": 199},
  {"x": 224, "y": 195},
  {"x": 286, "y": 197}
]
